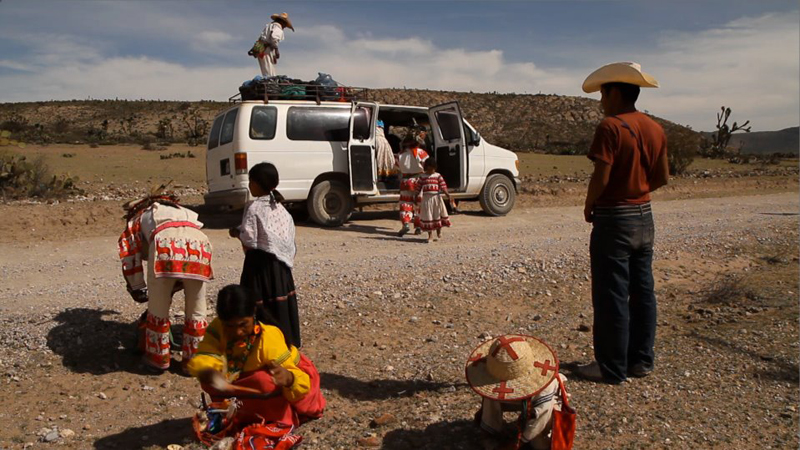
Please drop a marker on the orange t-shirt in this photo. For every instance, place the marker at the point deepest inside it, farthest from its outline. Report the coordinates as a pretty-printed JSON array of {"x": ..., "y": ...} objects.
[{"x": 631, "y": 144}]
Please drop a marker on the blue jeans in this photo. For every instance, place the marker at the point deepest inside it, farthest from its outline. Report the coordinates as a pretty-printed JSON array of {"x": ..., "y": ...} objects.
[{"x": 623, "y": 296}]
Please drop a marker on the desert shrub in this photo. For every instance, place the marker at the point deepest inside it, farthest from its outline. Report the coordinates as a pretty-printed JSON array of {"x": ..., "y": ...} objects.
[
  {"x": 166, "y": 130},
  {"x": 188, "y": 154},
  {"x": 20, "y": 178},
  {"x": 682, "y": 147},
  {"x": 61, "y": 126},
  {"x": 16, "y": 123},
  {"x": 717, "y": 146},
  {"x": 728, "y": 290},
  {"x": 196, "y": 126}
]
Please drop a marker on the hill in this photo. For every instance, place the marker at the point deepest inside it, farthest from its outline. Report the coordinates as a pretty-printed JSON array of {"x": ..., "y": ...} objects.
[
  {"x": 550, "y": 123},
  {"x": 786, "y": 141}
]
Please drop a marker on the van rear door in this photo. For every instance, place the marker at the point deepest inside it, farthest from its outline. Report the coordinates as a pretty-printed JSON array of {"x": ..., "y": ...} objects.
[
  {"x": 220, "y": 164},
  {"x": 449, "y": 144},
  {"x": 361, "y": 148}
]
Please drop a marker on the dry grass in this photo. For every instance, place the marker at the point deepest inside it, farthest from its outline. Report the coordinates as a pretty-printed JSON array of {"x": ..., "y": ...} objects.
[
  {"x": 541, "y": 165},
  {"x": 123, "y": 164}
]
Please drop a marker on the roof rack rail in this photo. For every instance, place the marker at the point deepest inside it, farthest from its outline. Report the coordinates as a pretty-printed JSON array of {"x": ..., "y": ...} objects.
[{"x": 267, "y": 90}]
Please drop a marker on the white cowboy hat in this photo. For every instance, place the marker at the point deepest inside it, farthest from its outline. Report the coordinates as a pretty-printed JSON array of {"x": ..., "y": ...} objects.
[
  {"x": 282, "y": 17},
  {"x": 511, "y": 368},
  {"x": 619, "y": 72}
]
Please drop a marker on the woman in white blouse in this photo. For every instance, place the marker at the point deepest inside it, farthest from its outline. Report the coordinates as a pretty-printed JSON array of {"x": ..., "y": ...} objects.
[{"x": 267, "y": 234}]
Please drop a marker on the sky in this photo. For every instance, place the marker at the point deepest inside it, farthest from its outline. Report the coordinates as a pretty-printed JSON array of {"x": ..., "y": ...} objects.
[{"x": 705, "y": 53}]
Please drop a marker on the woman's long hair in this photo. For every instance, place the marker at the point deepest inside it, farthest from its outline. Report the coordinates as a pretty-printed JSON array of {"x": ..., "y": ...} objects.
[{"x": 235, "y": 301}]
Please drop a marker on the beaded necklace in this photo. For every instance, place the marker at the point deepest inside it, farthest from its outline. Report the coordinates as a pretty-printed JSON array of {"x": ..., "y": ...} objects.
[{"x": 236, "y": 365}]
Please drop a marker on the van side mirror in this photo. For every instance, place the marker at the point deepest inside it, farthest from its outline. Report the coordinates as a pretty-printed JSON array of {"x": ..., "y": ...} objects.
[{"x": 475, "y": 140}]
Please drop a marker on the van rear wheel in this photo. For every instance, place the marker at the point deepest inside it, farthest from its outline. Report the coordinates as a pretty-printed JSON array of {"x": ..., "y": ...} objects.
[
  {"x": 498, "y": 195},
  {"x": 330, "y": 203}
]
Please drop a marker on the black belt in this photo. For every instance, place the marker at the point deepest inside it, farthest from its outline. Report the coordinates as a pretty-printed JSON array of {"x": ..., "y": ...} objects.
[{"x": 623, "y": 210}]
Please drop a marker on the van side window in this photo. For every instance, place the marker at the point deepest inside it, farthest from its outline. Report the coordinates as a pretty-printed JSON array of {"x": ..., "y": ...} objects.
[
  {"x": 213, "y": 137},
  {"x": 226, "y": 135},
  {"x": 263, "y": 121},
  {"x": 449, "y": 125},
  {"x": 318, "y": 124}
]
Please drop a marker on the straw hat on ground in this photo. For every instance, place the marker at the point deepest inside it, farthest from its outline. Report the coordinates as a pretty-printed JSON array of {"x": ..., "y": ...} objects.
[
  {"x": 619, "y": 72},
  {"x": 511, "y": 368},
  {"x": 283, "y": 18}
]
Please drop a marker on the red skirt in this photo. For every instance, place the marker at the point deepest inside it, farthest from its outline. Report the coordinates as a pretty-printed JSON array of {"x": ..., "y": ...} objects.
[{"x": 277, "y": 409}]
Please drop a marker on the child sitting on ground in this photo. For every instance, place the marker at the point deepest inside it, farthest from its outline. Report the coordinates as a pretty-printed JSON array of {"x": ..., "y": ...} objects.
[
  {"x": 517, "y": 373},
  {"x": 432, "y": 211}
]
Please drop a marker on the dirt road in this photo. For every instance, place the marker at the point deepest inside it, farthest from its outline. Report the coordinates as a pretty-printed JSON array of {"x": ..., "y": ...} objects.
[{"x": 390, "y": 322}]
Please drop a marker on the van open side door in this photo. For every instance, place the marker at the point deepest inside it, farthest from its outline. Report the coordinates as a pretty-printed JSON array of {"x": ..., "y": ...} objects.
[
  {"x": 361, "y": 148},
  {"x": 449, "y": 144}
]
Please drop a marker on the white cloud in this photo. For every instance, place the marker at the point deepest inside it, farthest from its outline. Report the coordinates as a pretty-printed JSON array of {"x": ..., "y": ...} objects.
[
  {"x": 214, "y": 37},
  {"x": 750, "y": 64}
]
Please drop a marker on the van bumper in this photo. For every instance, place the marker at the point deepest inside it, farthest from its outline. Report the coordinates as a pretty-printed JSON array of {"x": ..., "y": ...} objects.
[
  {"x": 231, "y": 198},
  {"x": 517, "y": 184}
]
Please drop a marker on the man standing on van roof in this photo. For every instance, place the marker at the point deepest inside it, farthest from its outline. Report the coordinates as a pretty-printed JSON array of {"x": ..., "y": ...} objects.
[
  {"x": 271, "y": 37},
  {"x": 629, "y": 152}
]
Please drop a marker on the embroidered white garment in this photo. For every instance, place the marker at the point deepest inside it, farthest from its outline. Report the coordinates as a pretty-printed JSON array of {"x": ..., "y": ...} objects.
[
  {"x": 272, "y": 34},
  {"x": 410, "y": 160},
  {"x": 267, "y": 226}
]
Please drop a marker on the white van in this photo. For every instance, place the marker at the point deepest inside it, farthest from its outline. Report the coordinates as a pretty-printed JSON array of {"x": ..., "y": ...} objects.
[{"x": 325, "y": 154}]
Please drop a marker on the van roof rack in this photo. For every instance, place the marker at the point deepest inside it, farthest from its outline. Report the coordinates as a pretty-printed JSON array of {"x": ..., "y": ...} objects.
[{"x": 267, "y": 90}]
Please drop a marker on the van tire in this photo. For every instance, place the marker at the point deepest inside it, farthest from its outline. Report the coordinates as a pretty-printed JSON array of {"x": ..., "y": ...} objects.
[
  {"x": 330, "y": 203},
  {"x": 498, "y": 195}
]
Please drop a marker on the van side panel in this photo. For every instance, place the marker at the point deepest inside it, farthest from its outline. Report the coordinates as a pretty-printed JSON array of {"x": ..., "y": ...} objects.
[{"x": 299, "y": 162}]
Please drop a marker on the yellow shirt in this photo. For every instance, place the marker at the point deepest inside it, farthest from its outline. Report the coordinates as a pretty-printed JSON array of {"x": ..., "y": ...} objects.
[{"x": 268, "y": 346}]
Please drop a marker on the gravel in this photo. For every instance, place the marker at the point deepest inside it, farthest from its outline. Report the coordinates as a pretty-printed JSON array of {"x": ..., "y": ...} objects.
[{"x": 390, "y": 323}]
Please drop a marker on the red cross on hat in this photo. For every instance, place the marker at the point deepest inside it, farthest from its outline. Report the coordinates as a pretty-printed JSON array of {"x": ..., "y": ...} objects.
[{"x": 506, "y": 344}]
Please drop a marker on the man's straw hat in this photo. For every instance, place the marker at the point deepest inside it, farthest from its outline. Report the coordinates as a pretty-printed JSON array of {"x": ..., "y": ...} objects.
[
  {"x": 282, "y": 17},
  {"x": 511, "y": 367},
  {"x": 619, "y": 72}
]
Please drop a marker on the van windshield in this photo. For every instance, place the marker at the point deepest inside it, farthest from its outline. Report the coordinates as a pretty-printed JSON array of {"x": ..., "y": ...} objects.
[{"x": 318, "y": 124}]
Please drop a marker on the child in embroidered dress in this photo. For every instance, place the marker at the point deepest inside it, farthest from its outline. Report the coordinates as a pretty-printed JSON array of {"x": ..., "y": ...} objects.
[
  {"x": 432, "y": 211},
  {"x": 267, "y": 234}
]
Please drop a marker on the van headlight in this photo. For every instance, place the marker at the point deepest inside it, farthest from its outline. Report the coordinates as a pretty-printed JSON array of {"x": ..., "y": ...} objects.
[{"x": 516, "y": 163}]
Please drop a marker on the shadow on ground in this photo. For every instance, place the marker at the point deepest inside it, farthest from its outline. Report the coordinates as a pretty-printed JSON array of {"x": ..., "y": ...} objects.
[
  {"x": 782, "y": 369},
  {"x": 88, "y": 342},
  {"x": 458, "y": 434},
  {"x": 162, "y": 434},
  {"x": 379, "y": 389}
]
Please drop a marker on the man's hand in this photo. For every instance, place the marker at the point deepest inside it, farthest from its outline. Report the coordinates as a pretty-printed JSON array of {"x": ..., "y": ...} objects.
[
  {"x": 217, "y": 381},
  {"x": 588, "y": 215},
  {"x": 234, "y": 232},
  {"x": 139, "y": 295},
  {"x": 280, "y": 375}
]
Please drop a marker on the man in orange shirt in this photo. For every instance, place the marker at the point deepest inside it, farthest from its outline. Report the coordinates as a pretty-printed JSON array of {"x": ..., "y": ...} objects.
[{"x": 629, "y": 152}]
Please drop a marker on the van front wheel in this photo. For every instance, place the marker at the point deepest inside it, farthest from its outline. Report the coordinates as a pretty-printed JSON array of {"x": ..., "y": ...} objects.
[
  {"x": 330, "y": 203},
  {"x": 498, "y": 195}
]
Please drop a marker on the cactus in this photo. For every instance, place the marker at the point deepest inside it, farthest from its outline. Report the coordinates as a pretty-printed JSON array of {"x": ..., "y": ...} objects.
[{"x": 20, "y": 178}]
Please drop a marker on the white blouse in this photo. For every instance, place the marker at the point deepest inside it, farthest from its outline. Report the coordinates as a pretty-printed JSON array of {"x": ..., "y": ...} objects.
[{"x": 267, "y": 226}]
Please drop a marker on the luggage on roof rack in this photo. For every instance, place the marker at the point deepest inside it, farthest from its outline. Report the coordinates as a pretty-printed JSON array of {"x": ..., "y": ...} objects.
[{"x": 285, "y": 88}]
